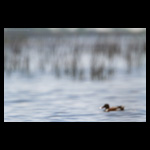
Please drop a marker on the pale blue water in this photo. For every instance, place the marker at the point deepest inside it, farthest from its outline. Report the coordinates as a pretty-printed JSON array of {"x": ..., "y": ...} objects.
[
  {"x": 34, "y": 91},
  {"x": 46, "y": 99}
]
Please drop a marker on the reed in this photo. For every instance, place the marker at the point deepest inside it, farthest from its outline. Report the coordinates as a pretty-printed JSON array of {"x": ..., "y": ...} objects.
[{"x": 70, "y": 56}]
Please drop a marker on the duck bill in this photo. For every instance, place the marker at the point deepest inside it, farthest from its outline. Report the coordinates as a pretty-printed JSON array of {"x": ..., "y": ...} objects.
[{"x": 101, "y": 107}]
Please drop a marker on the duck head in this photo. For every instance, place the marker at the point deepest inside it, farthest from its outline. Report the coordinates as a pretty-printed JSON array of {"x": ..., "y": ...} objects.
[{"x": 105, "y": 106}]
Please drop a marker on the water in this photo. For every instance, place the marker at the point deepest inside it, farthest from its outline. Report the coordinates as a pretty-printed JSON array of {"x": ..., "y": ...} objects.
[
  {"x": 38, "y": 90},
  {"x": 44, "y": 98}
]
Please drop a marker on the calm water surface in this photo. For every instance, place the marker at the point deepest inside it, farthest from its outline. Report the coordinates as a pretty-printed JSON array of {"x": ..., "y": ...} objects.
[
  {"x": 44, "y": 98},
  {"x": 36, "y": 92}
]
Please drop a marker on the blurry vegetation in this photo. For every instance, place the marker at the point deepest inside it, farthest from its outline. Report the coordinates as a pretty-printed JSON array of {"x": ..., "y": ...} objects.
[{"x": 76, "y": 56}]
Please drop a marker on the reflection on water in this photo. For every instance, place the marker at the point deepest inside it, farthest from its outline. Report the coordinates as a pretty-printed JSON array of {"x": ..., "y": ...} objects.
[{"x": 67, "y": 77}]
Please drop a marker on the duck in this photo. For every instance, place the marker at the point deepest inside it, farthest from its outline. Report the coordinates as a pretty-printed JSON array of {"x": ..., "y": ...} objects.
[{"x": 108, "y": 108}]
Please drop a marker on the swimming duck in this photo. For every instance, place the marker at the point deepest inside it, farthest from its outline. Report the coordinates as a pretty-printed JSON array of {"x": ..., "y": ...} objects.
[{"x": 107, "y": 108}]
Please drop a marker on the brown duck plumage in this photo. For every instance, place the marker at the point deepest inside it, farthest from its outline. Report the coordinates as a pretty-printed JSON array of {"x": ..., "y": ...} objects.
[{"x": 107, "y": 108}]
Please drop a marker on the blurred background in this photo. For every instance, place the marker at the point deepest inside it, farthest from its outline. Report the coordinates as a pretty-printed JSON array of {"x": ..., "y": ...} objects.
[{"x": 66, "y": 74}]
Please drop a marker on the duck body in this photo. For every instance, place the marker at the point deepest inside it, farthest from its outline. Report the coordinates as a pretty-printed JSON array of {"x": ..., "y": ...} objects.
[{"x": 108, "y": 108}]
